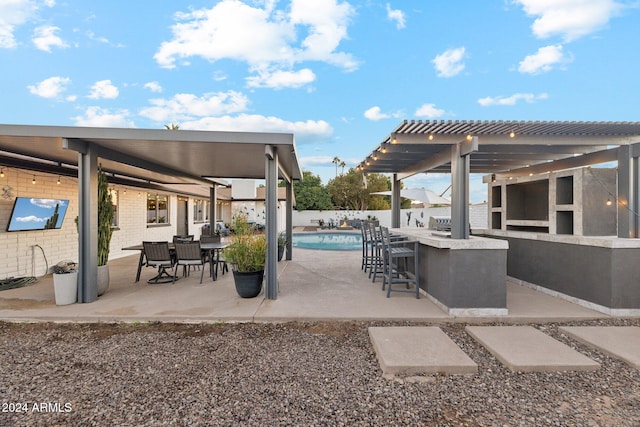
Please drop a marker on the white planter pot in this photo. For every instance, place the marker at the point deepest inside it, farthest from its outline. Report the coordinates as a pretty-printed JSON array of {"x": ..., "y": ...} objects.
[
  {"x": 103, "y": 279},
  {"x": 65, "y": 287}
]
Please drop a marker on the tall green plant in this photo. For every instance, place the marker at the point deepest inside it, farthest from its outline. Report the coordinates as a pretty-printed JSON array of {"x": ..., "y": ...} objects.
[
  {"x": 105, "y": 217},
  {"x": 247, "y": 251}
]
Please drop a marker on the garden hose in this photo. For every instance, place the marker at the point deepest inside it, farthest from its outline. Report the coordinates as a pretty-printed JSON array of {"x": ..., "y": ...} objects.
[{"x": 16, "y": 282}]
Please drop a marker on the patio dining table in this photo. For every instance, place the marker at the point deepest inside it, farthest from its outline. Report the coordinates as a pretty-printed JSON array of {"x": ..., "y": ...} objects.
[{"x": 213, "y": 249}]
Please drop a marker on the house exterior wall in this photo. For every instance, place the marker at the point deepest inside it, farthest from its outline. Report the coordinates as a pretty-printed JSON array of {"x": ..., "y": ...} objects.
[{"x": 20, "y": 253}]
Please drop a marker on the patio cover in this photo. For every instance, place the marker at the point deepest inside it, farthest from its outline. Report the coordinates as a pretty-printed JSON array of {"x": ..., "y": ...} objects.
[
  {"x": 194, "y": 161},
  {"x": 507, "y": 148}
]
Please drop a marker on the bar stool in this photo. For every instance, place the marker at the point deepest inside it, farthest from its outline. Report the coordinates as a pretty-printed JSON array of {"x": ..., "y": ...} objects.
[
  {"x": 367, "y": 248},
  {"x": 395, "y": 272},
  {"x": 376, "y": 265}
]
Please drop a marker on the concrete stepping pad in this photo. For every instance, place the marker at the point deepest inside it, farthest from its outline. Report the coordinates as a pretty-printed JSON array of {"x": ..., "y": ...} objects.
[
  {"x": 621, "y": 342},
  {"x": 418, "y": 350},
  {"x": 526, "y": 349}
]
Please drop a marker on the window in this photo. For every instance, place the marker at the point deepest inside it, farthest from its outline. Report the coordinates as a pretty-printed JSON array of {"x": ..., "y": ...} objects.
[
  {"x": 200, "y": 210},
  {"x": 157, "y": 209},
  {"x": 114, "y": 202}
]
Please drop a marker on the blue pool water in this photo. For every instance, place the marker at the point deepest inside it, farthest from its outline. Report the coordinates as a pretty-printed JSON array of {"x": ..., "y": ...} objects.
[{"x": 328, "y": 241}]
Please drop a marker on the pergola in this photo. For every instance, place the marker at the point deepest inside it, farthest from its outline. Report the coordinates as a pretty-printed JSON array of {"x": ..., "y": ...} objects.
[
  {"x": 508, "y": 149},
  {"x": 192, "y": 162}
]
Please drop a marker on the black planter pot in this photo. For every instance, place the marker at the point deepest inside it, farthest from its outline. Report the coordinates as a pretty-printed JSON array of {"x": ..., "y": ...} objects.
[
  {"x": 280, "y": 252},
  {"x": 248, "y": 284}
]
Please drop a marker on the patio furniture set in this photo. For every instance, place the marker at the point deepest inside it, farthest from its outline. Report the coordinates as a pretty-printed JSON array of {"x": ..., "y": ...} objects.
[{"x": 183, "y": 251}]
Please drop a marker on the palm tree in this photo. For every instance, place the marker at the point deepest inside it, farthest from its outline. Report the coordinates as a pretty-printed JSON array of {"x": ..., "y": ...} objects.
[
  {"x": 336, "y": 160},
  {"x": 172, "y": 126},
  {"x": 342, "y": 165}
]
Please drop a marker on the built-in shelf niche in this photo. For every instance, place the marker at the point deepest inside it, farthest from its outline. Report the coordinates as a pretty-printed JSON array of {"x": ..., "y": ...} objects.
[
  {"x": 496, "y": 197},
  {"x": 528, "y": 201},
  {"x": 564, "y": 190},
  {"x": 564, "y": 222}
]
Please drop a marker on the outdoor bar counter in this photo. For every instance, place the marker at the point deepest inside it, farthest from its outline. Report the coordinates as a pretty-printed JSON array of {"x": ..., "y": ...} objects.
[
  {"x": 600, "y": 272},
  {"x": 465, "y": 277}
]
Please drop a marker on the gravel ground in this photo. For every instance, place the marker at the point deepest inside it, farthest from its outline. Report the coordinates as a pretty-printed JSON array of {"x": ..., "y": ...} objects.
[{"x": 311, "y": 374}]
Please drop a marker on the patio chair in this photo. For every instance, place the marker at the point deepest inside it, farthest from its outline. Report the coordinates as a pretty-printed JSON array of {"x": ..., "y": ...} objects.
[
  {"x": 394, "y": 271},
  {"x": 159, "y": 256},
  {"x": 183, "y": 238},
  {"x": 189, "y": 254}
]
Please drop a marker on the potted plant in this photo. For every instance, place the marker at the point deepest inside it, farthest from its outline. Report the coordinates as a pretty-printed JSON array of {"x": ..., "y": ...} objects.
[
  {"x": 105, "y": 222},
  {"x": 247, "y": 256},
  {"x": 282, "y": 243},
  {"x": 65, "y": 282}
]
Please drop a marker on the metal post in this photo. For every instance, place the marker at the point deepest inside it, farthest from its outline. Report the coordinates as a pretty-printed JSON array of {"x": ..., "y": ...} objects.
[
  {"x": 395, "y": 201},
  {"x": 628, "y": 188},
  {"x": 289, "y": 219},
  {"x": 271, "y": 228},
  {"x": 213, "y": 201},
  {"x": 459, "y": 193},
  {"x": 87, "y": 224}
]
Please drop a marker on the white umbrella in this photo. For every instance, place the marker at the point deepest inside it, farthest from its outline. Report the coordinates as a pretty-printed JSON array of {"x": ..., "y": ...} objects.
[{"x": 425, "y": 196}]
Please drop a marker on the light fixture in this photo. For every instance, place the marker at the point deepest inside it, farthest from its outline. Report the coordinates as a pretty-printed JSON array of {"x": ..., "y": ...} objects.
[
  {"x": 431, "y": 137},
  {"x": 493, "y": 177},
  {"x": 125, "y": 191},
  {"x": 368, "y": 162},
  {"x": 512, "y": 134},
  {"x": 609, "y": 202},
  {"x": 58, "y": 181},
  {"x": 1, "y": 172},
  {"x": 469, "y": 137},
  {"x": 394, "y": 141},
  {"x": 375, "y": 157},
  {"x": 530, "y": 173},
  {"x": 384, "y": 149},
  {"x": 33, "y": 181}
]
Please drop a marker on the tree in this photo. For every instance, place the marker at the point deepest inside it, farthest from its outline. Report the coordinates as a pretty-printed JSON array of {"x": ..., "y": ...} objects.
[
  {"x": 310, "y": 193},
  {"x": 348, "y": 190},
  {"x": 336, "y": 160},
  {"x": 172, "y": 126},
  {"x": 342, "y": 165}
]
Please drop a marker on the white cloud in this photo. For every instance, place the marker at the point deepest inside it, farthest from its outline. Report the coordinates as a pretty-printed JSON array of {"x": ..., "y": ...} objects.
[
  {"x": 305, "y": 131},
  {"x": 397, "y": 16},
  {"x": 430, "y": 111},
  {"x": 30, "y": 218},
  {"x": 104, "y": 89},
  {"x": 264, "y": 38},
  {"x": 450, "y": 62},
  {"x": 100, "y": 117},
  {"x": 186, "y": 106},
  {"x": 14, "y": 13},
  {"x": 570, "y": 19},
  {"x": 47, "y": 203},
  {"x": 375, "y": 113},
  {"x": 153, "y": 87},
  {"x": 280, "y": 79},
  {"x": 543, "y": 60},
  {"x": 529, "y": 98},
  {"x": 45, "y": 37},
  {"x": 51, "y": 87}
]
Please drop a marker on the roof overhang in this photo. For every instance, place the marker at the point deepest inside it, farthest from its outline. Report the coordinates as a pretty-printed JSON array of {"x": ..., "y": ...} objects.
[
  {"x": 502, "y": 146},
  {"x": 174, "y": 158}
]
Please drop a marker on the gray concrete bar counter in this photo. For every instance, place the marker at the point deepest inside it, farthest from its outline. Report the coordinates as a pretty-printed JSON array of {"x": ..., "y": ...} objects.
[
  {"x": 599, "y": 272},
  {"x": 466, "y": 277}
]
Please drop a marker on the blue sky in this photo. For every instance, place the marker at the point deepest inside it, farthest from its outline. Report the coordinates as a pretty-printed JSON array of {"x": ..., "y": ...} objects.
[{"x": 338, "y": 74}]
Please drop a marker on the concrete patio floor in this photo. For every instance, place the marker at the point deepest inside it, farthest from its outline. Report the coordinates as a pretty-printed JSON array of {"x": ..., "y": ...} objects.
[{"x": 316, "y": 285}]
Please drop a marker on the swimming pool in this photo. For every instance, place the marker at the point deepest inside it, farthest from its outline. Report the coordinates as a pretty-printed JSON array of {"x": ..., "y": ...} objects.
[{"x": 328, "y": 241}]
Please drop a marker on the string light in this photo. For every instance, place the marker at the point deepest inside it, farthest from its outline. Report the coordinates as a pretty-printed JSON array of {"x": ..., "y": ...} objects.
[
  {"x": 609, "y": 202},
  {"x": 58, "y": 181},
  {"x": 33, "y": 181},
  {"x": 431, "y": 137},
  {"x": 1, "y": 172},
  {"x": 512, "y": 134}
]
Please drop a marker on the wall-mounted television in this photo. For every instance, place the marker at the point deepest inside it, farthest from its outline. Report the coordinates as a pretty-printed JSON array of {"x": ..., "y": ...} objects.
[{"x": 37, "y": 214}]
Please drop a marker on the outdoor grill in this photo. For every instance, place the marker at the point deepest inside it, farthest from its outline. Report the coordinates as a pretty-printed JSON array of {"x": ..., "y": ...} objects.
[{"x": 440, "y": 223}]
